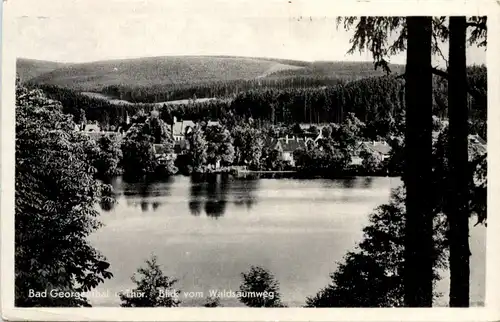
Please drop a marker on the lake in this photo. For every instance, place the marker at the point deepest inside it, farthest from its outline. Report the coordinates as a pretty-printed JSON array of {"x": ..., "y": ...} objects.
[{"x": 206, "y": 233}]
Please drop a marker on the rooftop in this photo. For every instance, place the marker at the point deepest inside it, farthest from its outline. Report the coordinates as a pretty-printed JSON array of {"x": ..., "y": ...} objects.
[
  {"x": 381, "y": 147},
  {"x": 291, "y": 144},
  {"x": 180, "y": 128}
]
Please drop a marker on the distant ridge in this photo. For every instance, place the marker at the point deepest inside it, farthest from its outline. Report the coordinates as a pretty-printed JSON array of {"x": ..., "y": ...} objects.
[
  {"x": 30, "y": 68},
  {"x": 164, "y": 70}
]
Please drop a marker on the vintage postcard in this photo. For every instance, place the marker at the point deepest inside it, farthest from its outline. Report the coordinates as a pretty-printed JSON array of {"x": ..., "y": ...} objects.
[{"x": 250, "y": 160}]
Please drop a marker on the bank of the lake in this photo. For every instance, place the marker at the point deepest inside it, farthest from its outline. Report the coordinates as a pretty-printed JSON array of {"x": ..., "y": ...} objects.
[{"x": 206, "y": 232}]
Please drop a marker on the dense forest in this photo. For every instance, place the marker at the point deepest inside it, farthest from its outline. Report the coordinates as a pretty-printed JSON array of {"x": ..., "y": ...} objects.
[
  {"x": 372, "y": 99},
  {"x": 219, "y": 89}
]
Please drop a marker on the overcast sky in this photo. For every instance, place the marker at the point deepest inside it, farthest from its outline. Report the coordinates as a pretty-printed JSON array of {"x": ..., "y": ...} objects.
[{"x": 89, "y": 30}]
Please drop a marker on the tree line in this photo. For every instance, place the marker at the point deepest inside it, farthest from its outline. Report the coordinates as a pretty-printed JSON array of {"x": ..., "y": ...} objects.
[
  {"x": 373, "y": 100},
  {"x": 218, "y": 89}
]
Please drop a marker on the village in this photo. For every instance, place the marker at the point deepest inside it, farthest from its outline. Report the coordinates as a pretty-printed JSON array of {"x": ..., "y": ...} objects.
[{"x": 285, "y": 146}]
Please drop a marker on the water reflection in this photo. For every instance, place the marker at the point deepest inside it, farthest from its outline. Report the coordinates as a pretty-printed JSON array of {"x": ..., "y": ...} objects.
[
  {"x": 106, "y": 205},
  {"x": 196, "y": 195},
  {"x": 209, "y": 193},
  {"x": 148, "y": 192},
  {"x": 348, "y": 182},
  {"x": 217, "y": 189},
  {"x": 367, "y": 182},
  {"x": 109, "y": 194},
  {"x": 245, "y": 192}
]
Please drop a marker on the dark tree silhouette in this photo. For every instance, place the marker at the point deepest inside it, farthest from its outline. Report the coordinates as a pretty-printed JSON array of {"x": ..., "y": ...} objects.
[
  {"x": 418, "y": 164},
  {"x": 458, "y": 212}
]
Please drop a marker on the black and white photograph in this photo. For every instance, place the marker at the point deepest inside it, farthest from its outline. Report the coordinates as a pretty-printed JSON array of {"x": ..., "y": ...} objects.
[{"x": 217, "y": 154}]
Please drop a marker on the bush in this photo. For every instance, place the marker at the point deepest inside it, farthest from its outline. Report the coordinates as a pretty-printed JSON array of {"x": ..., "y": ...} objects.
[
  {"x": 154, "y": 289},
  {"x": 259, "y": 289}
]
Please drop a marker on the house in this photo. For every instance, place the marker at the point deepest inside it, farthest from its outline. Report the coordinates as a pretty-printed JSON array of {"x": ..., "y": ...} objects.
[
  {"x": 179, "y": 129},
  {"x": 380, "y": 149},
  {"x": 285, "y": 146},
  {"x": 289, "y": 146}
]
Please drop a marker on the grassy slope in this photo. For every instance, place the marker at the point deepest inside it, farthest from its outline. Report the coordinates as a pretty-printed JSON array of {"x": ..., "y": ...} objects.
[
  {"x": 31, "y": 68},
  {"x": 160, "y": 70},
  {"x": 195, "y": 69}
]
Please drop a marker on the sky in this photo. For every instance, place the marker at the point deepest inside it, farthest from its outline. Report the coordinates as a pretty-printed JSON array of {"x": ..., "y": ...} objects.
[{"x": 90, "y": 30}]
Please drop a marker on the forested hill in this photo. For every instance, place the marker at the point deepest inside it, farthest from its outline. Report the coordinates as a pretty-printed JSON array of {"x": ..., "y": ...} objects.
[
  {"x": 189, "y": 70},
  {"x": 30, "y": 68},
  {"x": 374, "y": 100}
]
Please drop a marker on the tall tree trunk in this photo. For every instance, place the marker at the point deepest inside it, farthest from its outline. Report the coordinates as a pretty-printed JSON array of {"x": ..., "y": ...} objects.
[
  {"x": 418, "y": 172},
  {"x": 458, "y": 216}
]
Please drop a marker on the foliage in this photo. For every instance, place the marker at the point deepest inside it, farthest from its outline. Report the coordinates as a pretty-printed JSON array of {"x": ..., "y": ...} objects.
[
  {"x": 138, "y": 155},
  {"x": 156, "y": 128},
  {"x": 331, "y": 156},
  {"x": 212, "y": 302},
  {"x": 55, "y": 212},
  {"x": 154, "y": 289},
  {"x": 372, "y": 33},
  {"x": 109, "y": 159},
  {"x": 248, "y": 143},
  {"x": 139, "y": 158},
  {"x": 372, "y": 164},
  {"x": 476, "y": 176},
  {"x": 478, "y": 190},
  {"x": 271, "y": 160},
  {"x": 371, "y": 275},
  {"x": 198, "y": 146},
  {"x": 82, "y": 118},
  {"x": 321, "y": 160},
  {"x": 220, "y": 147},
  {"x": 259, "y": 280},
  {"x": 395, "y": 163},
  {"x": 349, "y": 131}
]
